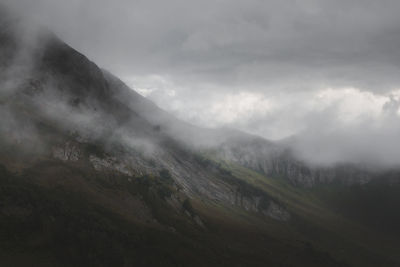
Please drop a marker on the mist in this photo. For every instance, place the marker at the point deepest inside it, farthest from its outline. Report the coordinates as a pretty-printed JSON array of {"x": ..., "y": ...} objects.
[
  {"x": 321, "y": 76},
  {"x": 38, "y": 103}
]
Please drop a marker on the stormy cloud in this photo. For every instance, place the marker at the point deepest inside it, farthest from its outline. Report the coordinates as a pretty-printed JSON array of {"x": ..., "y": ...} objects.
[{"x": 322, "y": 74}]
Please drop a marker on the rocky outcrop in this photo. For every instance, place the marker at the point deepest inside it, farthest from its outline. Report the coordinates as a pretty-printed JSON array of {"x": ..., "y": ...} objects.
[
  {"x": 277, "y": 212},
  {"x": 109, "y": 163},
  {"x": 276, "y": 161},
  {"x": 263, "y": 205},
  {"x": 68, "y": 152}
]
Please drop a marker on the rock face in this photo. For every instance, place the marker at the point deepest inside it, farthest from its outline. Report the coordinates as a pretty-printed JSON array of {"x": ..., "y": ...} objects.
[
  {"x": 193, "y": 179},
  {"x": 110, "y": 163},
  {"x": 69, "y": 152},
  {"x": 278, "y": 161},
  {"x": 276, "y": 212}
]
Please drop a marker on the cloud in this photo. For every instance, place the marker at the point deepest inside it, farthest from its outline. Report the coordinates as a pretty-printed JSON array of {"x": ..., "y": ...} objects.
[
  {"x": 326, "y": 71},
  {"x": 246, "y": 43}
]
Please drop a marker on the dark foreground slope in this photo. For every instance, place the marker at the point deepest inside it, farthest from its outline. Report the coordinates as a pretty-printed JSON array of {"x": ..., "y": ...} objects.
[
  {"x": 58, "y": 224},
  {"x": 92, "y": 174}
]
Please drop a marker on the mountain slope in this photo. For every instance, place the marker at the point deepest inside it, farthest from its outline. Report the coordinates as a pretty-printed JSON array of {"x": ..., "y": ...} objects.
[{"x": 91, "y": 173}]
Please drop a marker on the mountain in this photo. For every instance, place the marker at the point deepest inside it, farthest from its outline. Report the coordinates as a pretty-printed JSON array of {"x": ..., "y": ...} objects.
[{"x": 93, "y": 174}]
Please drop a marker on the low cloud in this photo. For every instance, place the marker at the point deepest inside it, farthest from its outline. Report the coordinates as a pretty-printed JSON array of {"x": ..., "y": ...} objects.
[{"x": 326, "y": 71}]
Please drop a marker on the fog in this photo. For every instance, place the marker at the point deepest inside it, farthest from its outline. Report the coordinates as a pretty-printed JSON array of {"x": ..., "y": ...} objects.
[
  {"x": 38, "y": 111},
  {"x": 321, "y": 75}
]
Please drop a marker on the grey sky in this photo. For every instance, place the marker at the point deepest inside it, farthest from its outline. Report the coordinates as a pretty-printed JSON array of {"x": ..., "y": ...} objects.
[{"x": 327, "y": 71}]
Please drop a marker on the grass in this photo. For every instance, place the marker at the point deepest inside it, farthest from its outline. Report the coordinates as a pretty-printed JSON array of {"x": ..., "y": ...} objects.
[
  {"x": 76, "y": 220},
  {"x": 321, "y": 216},
  {"x": 66, "y": 214}
]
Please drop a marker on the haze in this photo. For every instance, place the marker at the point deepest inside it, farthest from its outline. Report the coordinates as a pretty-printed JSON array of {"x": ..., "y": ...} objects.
[{"x": 323, "y": 75}]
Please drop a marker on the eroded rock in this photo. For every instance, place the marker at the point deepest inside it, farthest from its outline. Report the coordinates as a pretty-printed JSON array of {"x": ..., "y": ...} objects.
[{"x": 68, "y": 152}]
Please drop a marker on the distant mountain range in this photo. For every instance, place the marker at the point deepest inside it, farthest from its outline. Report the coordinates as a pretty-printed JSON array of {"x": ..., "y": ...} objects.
[{"x": 94, "y": 174}]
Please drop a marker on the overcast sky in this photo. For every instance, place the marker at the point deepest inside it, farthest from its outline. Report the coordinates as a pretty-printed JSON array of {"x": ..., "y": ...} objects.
[{"x": 326, "y": 71}]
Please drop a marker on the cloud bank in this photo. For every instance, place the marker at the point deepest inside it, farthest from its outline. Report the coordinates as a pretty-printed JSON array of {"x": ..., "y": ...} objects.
[{"x": 324, "y": 71}]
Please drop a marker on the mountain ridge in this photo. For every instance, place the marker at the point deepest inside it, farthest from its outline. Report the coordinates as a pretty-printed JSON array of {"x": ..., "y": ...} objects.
[{"x": 91, "y": 173}]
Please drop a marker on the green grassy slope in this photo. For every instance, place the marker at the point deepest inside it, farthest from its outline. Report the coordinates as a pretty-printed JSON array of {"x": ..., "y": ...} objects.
[{"x": 355, "y": 224}]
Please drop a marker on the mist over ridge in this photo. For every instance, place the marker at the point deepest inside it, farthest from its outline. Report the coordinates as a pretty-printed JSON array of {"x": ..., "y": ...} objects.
[{"x": 214, "y": 133}]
